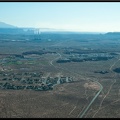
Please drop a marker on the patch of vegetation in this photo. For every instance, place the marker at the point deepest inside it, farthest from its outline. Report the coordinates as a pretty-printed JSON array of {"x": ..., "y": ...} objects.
[{"x": 117, "y": 70}]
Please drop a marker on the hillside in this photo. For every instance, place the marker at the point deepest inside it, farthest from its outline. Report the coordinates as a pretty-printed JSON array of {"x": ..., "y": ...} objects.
[{"x": 5, "y": 25}]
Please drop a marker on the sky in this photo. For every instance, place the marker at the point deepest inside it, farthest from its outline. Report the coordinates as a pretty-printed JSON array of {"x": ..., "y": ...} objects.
[{"x": 72, "y": 16}]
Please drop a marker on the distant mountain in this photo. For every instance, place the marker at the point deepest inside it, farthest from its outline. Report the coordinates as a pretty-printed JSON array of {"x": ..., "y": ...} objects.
[
  {"x": 5, "y": 25},
  {"x": 113, "y": 33},
  {"x": 11, "y": 29}
]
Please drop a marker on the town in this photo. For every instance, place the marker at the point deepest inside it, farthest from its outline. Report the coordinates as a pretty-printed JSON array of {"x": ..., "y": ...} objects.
[{"x": 32, "y": 81}]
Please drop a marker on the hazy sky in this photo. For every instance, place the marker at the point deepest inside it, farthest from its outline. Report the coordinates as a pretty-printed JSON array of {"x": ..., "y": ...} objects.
[{"x": 78, "y": 16}]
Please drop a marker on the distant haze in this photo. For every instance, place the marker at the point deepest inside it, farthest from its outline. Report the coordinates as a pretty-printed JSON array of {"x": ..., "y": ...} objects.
[{"x": 8, "y": 26}]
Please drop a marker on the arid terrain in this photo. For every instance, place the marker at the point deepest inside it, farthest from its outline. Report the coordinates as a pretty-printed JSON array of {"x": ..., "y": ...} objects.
[{"x": 59, "y": 76}]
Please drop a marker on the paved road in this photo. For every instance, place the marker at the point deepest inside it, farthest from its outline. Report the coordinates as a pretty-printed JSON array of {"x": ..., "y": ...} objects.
[
  {"x": 86, "y": 109},
  {"x": 101, "y": 88},
  {"x": 51, "y": 62}
]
